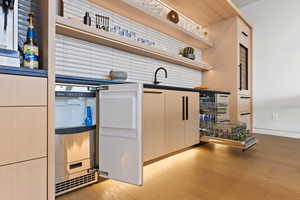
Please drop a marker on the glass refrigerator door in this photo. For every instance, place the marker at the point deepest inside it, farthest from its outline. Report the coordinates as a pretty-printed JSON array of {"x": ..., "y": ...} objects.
[{"x": 244, "y": 70}]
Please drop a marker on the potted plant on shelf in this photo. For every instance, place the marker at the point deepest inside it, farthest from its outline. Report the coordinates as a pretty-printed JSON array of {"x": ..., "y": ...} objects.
[{"x": 189, "y": 52}]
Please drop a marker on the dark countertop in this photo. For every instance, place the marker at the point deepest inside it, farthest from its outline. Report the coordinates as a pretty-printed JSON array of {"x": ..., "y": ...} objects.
[
  {"x": 94, "y": 81},
  {"x": 164, "y": 87},
  {"x": 22, "y": 71},
  {"x": 85, "y": 81}
]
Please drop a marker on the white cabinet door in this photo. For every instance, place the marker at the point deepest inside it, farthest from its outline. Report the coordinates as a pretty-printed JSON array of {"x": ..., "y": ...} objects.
[{"x": 120, "y": 150}]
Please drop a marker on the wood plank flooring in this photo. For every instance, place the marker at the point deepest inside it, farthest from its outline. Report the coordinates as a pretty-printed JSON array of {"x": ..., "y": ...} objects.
[{"x": 269, "y": 171}]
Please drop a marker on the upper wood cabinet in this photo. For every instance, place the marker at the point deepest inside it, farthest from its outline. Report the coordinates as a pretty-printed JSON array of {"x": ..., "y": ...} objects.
[
  {"x": 153, "y": 124},
  {"x": 23, "y": 91}
]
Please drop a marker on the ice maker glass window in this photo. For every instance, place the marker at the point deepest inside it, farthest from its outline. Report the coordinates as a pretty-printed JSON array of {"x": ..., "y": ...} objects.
[
  {"x": 73, "y": 104},
  {"x": 71, "y": 111}
]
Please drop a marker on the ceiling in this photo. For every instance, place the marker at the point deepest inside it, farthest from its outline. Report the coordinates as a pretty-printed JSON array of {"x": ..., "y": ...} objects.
[{"x": 242, "y": 3}]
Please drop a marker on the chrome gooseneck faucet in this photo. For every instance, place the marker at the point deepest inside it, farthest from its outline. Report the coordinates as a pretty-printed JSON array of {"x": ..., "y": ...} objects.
[{"x": 155, "y": 77}]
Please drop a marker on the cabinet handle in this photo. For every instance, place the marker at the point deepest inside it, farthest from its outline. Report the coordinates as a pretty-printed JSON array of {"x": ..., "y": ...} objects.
[
  {"x": 187, "y": 107},
  {"x": 245, "y": 34},
  {"x": 244, "y": 114},
  {"x": 152, "y": 92},
  {"x": 183, "y": 108}
]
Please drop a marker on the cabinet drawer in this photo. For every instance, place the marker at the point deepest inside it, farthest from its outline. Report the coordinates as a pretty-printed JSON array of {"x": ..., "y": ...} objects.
[
  {"x": 22, "y": 91},
  {"x": 26, "y": 180},
  {"x": 23, "y": 133},
  {"x": 244, "y": 105}
]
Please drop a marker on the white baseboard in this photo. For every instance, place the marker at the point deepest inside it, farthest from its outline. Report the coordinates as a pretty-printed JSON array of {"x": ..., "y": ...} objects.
[{"x": 282, "y": 133}]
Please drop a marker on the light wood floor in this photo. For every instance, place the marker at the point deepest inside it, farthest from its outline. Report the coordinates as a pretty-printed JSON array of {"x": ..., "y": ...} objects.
[{"x": 269, "y": 171}]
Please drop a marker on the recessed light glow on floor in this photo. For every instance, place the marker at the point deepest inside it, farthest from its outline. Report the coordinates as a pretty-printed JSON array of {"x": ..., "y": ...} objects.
[{"x": 155, "y": 169}]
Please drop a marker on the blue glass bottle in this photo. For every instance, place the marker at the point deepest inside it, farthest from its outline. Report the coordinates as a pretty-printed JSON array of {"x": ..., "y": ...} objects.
[{"x": 89, "y": 116}]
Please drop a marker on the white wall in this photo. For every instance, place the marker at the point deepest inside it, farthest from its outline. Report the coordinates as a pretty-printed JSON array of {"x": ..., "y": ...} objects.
[{"x": 276, "y": 66}]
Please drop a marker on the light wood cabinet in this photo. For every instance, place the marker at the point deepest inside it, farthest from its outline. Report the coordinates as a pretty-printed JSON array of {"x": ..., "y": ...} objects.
[
  {"x": 182, "y": 120},
  {"x": 192, "y": 121},
  {"x": 23, "y": 91},
  {"x": 175, "y": 123},
  {"x": 25, "y": 180},
  {"x": 153, "y": 124},
  {"x": 23, "y": 133},
  {"x": 170, "y": 121},
  {"x": 232, "y": 58}
]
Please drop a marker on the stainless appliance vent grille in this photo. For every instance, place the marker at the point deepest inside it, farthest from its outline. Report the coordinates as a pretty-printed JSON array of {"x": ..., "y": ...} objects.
[{"x": 72, "y": 184}]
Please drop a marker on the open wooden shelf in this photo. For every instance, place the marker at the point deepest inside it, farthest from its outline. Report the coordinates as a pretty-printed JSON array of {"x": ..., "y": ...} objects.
[
  {"x": 135, "y": 14},
  {"x": 206, "y": 12},
  {"x": 75, "y": 29}
]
